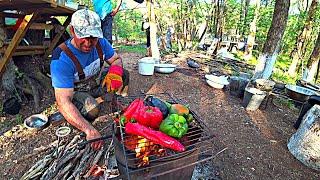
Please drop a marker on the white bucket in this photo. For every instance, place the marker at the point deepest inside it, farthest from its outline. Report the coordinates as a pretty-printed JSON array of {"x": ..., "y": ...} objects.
[{"x": 146, "y": 66}]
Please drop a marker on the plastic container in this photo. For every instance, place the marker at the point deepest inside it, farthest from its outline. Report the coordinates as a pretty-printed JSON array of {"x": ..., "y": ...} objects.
[
  {"x": 146, "y": 66},
  {"x": 252, "y": 98},
  {"x": 217, "y": 82}
]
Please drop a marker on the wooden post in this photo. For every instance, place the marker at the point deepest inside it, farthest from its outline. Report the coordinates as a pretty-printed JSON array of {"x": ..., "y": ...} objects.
[
  {"x": 305, "y": 143},
  {"x": 21, "y": 31},
  {"x": 58, "y": 36}
]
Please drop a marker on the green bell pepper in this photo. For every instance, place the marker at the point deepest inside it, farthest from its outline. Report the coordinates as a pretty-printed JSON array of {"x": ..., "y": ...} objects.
[{"x": 174, "y": 125}]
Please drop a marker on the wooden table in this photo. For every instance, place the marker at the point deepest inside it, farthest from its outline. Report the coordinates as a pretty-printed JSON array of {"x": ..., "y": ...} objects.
[{"x": 32, "y": 11}]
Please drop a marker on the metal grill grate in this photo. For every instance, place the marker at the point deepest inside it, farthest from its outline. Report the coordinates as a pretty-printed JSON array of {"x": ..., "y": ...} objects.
[{"x": 200, "y": 142}]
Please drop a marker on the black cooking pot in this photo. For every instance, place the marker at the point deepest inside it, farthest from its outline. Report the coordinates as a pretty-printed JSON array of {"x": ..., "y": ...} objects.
[
  {"x": 11, "y": 106},
  {"x": 299, "y": 93}
]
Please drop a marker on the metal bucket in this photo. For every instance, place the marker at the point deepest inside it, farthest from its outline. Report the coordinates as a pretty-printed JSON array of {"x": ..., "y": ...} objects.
[{"x": 253, "y": 98}]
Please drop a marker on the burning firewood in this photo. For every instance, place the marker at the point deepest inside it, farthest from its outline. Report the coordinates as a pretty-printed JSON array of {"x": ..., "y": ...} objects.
[{"x": 143, "y": 148}]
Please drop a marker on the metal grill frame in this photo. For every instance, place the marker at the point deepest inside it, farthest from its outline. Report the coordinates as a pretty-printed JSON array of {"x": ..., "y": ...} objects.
[{"x": 208, "y": 145}]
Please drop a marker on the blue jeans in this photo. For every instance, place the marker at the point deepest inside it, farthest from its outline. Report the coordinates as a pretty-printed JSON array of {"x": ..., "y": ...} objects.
[{"x": 106, "y": 26}]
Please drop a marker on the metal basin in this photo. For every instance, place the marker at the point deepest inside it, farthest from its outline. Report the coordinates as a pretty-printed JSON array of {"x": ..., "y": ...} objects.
[
  {"x": 36, "y": 122},
  {"x": 299, "y": 93},
  {"x": 264, "y": 84},
  {"x": 165, "y": 68}
]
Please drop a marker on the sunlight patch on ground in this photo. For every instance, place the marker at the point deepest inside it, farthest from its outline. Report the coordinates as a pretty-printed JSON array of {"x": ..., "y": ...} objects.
[{"x": 262, "y": 123}]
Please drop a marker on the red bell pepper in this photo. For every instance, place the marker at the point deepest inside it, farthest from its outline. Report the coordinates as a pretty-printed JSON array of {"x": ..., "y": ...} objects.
[
  {"x": 157, "y": 137},
  {"x": 127, "y": 114},
  {"x": 136, "y": 114},
  {"x": 150, "y": 117}
]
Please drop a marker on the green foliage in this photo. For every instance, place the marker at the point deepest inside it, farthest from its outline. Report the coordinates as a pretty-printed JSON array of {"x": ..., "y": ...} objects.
[
  {"x": 19, "y": 74},
  {"x": 19, "y": 119},
  {"x": 233, "y": 9},
  {"x": 128, "y": 26},
  {"x": 295, "y": 24},
  {"x": 285, "y": 103},
  {"x": 283, "y": 77},
  {"x": 263, "y": 25}
]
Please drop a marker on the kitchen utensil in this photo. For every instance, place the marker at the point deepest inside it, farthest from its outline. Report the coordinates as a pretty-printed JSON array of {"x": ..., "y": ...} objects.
[
  {"x": 217, "y": 82},
  {"x": 36, "y": 122},
  {"x": 11, "y": 106},
  {"x": 165, "y": 68}
]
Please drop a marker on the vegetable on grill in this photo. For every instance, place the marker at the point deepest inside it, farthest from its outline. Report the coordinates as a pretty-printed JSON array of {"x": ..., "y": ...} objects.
[
  {"x": 174, "y": 125},
  {"x": 127, "y": 114},
  {"x": 179, "y": 109},
  {"x": 157, "y": 137},
  {"x": 136, "y": 114},
  {"x": 150, "y": 117},
  {"x": 155, "y": 102}
]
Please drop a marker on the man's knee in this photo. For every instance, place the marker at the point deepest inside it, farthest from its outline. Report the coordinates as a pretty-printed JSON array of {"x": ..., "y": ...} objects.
[
  {"x": 125, "y": 77},
  {"x": 86, "y": 104}
]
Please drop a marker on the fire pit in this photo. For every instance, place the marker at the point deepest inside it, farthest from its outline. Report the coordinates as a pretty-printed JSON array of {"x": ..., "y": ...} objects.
[{"x": 139, "y": 158}]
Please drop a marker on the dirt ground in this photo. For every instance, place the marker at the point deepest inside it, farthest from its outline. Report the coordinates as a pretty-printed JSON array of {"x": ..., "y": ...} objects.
[{"x": 256, "y": 141}]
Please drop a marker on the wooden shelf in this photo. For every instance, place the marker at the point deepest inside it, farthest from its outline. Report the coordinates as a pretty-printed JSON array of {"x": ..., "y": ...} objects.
[{"x": 34, "y": 14}]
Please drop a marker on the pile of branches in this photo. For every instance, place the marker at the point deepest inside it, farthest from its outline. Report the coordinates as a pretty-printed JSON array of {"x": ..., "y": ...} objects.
[{"x": 69, "y": 161}]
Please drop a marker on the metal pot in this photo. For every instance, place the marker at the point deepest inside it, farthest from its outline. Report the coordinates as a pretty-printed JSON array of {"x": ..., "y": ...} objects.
[
  {"x": 11, "y": 106},
  {"x": 265, "y": 84},
  {"x": 299, "y": 93}
]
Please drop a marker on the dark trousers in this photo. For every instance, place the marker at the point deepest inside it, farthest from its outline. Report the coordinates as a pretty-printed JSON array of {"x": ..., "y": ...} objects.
[
  {"x": 106, "y": 26},
  {"x": 305, "y": 108}
]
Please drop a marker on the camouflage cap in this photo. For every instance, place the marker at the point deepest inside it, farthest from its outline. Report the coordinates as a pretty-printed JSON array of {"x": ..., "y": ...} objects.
[{"x": 86, "y": 23}]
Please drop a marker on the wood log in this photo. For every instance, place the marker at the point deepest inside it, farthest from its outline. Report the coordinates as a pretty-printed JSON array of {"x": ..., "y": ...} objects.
[
  {"x": 68, "y": 167},
  {"x": 39, "y": 166},
  {"x": 305, "y": 143}
]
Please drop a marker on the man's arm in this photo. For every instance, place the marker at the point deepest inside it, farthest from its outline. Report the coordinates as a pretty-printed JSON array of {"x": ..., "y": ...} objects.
[
  {"x": 115, "y": 60},
  {"x": 73, "y": 116},
  {"x": 114, "y": 12}
]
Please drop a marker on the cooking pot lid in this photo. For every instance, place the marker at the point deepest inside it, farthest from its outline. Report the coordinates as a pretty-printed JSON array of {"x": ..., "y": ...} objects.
[{"x": 148, "y": 60}]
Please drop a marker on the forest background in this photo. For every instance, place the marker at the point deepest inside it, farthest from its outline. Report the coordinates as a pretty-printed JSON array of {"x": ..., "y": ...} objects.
[{"x": 296, "y": 55}]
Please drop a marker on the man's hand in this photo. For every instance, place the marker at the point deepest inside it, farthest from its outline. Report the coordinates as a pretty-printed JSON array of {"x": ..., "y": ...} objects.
[
  {"x": 113, "y": 12},
  {"x": 93, "y": 134},
  {"x": 113, "y": 79}
]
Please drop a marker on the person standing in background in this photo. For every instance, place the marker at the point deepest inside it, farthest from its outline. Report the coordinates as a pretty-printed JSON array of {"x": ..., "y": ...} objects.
[
  {"x": 104, "y": 9},
  {"x": 146, "y": 27}
]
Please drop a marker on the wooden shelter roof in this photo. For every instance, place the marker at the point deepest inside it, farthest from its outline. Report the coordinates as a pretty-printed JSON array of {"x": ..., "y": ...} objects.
[{"x": 27, "y": 6}]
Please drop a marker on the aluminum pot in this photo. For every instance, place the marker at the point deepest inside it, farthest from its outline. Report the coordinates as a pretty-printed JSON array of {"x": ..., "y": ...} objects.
[{"x": 299, "y": 93}]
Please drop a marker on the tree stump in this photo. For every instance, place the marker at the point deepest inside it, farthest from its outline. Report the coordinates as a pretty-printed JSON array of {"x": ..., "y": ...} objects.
[{"x": 305, "y": 143}]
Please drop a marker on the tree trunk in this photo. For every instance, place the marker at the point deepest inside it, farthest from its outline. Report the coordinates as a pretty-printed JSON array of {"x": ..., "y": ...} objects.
[
  {"x": 268, "y": 56},
  {"x": 252, "y": 33},
  {"x": 244, "y": 13},
  {"x": 297, "y": 52},
  {"x": 305, "y": 143},
  {"x": 313, "y": 61},
  {"x": 153, "y": 30}
]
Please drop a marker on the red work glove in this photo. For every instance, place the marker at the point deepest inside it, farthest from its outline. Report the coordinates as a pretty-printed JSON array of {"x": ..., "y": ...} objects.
[{"x": 113, "y": 79}]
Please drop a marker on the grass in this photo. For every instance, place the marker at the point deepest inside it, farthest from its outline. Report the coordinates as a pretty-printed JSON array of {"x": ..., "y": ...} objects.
[
  {"x": 137, "y": 48},
  {"x": 19, "y": 119},
  {"x": 285, "y": 103}
]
